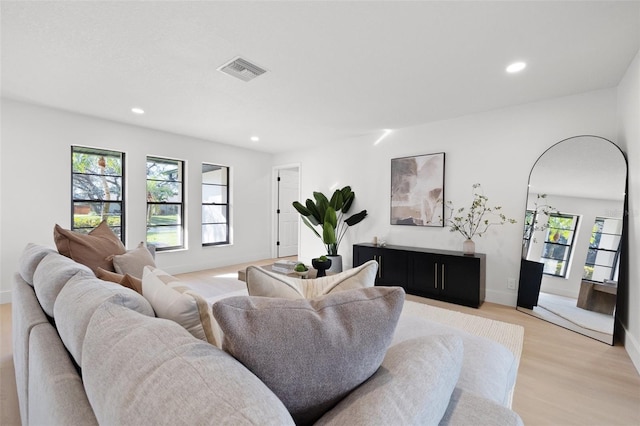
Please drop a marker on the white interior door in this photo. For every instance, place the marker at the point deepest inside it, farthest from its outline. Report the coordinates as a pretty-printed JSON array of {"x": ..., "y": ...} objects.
[{"x": 287, "y": 226}]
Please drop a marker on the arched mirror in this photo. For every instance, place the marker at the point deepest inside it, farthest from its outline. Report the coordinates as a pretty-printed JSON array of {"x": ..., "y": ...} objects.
[{"x": 572, "y": 236}]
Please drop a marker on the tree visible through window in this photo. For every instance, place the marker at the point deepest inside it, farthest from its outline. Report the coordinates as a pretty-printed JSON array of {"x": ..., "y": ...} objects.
[
  {"x": 165, "y": 200},
  {"x": 97, "y": 189},
  {"x": 604, "y": 250},
  {"x": 215, "y": 204},
  {"x": 558, "y": 244}
]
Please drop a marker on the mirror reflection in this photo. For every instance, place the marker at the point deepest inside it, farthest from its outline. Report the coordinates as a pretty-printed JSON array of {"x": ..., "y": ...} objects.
[{"x": 572, "y": 236}]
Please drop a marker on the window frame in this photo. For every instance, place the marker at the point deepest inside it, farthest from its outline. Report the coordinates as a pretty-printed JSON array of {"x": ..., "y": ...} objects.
[
  {"x": 226, "y": 205},
  {"x": 615, "y": 263},
  {"x": 569, "y": 245},
  {"x": 103, "y": 153},
  {"x": 181, "y": 219}
]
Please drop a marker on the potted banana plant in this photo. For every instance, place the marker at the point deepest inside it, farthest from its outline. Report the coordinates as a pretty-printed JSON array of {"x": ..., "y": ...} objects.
[{"x": 330, "y": 215}]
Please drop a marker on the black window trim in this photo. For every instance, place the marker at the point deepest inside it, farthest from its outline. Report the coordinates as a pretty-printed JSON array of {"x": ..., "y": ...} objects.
[
  {"x": 570, "y": 245},
  {"x": 93, "y": 150},
  {"x": 182, "y": 246},
  {"x": 228, "y": 225}
]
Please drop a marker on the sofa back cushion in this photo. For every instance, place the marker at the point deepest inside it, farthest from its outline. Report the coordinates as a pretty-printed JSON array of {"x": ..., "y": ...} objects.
[
  {"x": 311, "y": 353},
  {"x": 172, "y": 299},
  {"x": 93, "y": 249},
  {"x": 261, "y": 282},
  {"x": 413, "y": 386},
  {"x": 51, "y": 275},
  {"x": 141, "y": 370},
  {"x": 79, "y": 299},
  {"x": 31, "y": 256}
]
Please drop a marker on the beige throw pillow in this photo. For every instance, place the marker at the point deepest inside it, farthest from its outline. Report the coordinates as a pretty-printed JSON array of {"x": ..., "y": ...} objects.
[
  {"x": 93, "y": 249},
  {"x": 261, "y": 282},
  {"x": 311, "y": 353},
  {"x": 133, "y": 261},
  {"x": 172, "y": 300}
]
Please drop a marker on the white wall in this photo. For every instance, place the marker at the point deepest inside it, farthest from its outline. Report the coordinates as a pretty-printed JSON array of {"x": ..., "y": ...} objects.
[
  {"x": 35, "y": 185},
  {"x": 629, "y": 139},
  {"x": 496, "y": 149}
]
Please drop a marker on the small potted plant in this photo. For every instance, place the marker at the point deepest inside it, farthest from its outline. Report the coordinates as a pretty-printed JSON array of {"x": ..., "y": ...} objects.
[
  {"x": 301, "y": 269},
  {"x": 321, "y": 264}
]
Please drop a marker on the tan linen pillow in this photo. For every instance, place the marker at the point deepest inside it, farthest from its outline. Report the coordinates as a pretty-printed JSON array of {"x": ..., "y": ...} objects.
[
  {"x": 105, "y": 275},
  {"x": 311, "y": 353},
  {"x": 132, "y": 282},
  {"x": 92, "y": 249},
  {"x": 125, "y": 280},
  {"x": 133, "y": 261},
  {"x": 172, "y": 300},
  {"x": 261, "y": 282}
]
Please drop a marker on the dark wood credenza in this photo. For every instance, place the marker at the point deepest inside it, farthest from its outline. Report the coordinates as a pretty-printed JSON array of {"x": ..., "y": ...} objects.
[{"x": 444, "y": 275}]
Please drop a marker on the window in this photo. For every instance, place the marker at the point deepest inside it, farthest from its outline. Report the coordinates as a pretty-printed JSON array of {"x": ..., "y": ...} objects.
[
  {"x": 165, "y": 200},
  {"x": 604, "y": 250},
  {"x": 558, "y": 243},
  {"x": 529, "y": 220},
  {"x": 97, "y": 177},
  {"x": 215, "y": 204}
]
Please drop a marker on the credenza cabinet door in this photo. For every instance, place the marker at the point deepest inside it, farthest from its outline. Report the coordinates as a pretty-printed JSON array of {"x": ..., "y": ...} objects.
[
  {"x": 438, "y": 274},
  {"x": 392, "y": 265}
]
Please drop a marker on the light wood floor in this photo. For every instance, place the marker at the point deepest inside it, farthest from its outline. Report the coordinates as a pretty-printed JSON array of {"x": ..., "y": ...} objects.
[{"x": 564, "y": 378}]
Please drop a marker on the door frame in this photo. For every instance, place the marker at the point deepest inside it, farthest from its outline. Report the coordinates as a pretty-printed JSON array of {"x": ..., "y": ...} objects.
[{"x": 274, "y": 204}]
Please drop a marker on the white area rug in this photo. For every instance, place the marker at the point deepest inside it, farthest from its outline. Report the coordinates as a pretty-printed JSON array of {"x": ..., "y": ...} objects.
[
  {"x": 566, "y": 308},
  {"x": 509, "y": 335}
]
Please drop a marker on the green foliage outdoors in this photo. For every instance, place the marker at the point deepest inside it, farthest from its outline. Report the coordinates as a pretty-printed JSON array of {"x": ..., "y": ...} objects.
[{"x": 92, "y": 220}]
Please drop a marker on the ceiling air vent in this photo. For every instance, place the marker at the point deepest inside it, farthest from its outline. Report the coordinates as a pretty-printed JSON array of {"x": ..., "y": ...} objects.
[{"x": 242, "y": 69}]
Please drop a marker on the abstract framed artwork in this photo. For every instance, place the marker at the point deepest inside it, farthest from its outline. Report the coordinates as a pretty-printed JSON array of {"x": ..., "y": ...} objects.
[{"x": 417, "y": 190}]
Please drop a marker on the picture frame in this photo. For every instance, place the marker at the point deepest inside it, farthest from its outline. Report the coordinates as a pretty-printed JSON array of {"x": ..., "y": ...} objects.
[{"x": 417, "y": 190}]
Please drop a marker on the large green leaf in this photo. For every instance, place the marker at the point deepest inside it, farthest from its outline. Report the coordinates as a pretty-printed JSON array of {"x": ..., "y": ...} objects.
[
  {"x": 356, "y": 218},
  {"x": 316, "y": 217},
  {"x": 301, "y": 209},
  {"x": 330, "y": 217},
  {"x": 336, "y": 200},
  {"x": 328, "y": 233}
]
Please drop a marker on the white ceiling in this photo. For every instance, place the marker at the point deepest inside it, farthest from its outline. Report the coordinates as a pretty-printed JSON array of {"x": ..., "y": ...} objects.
[{"x": 336, "y": 70}]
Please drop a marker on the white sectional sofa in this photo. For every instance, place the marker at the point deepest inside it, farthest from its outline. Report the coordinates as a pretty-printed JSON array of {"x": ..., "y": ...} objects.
[{"x": 88, "y": 351}]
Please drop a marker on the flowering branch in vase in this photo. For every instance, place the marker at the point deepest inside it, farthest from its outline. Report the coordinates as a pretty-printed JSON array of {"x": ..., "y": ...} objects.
[{"x": 478, "y": 218}]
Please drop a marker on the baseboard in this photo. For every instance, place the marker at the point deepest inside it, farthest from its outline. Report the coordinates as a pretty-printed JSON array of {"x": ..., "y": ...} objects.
[
  {"x": 632, "y": 347},
  {"x": 5, "y": 297},
  {"x": 501, "y": 297}
]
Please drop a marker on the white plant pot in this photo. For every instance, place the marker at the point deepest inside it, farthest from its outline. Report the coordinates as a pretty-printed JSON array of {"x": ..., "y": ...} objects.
[{"x": 336, "y": 264}]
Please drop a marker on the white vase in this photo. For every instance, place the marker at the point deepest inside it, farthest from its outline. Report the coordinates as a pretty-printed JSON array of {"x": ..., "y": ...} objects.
[
  {"x": 336, "y": 264},
  {"x": 469, "y": 247}
]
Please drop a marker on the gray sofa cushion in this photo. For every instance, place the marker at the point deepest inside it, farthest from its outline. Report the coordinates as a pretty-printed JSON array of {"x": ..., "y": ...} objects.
[
  {"x": 29, "y": 260},
  {"x": 466, "y": 408},
  {"x": 79, "y": 299},
  {"x": 26, "y": 313},
  {"x": 51, "y": 275},
  {"x": 141, "y": 370},
  {"x": 311, "y": 353},
  {"x": 488, "y": 368},
  {"x": 56, "y": 392},
  {"x": 412, "y": 386}
]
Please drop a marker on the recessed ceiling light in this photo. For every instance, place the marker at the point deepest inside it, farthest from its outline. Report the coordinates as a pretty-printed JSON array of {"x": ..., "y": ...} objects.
[
  {"x": 516, "y": 67},
  {"x": 137, "y": 110},
  {"x": 255, "y": 138}
]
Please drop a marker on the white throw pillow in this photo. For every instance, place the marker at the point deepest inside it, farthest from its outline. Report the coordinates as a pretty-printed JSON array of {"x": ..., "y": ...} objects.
[
  {"x": 261, "y": 282},
  {"x": 172, "y": 300}
]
